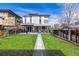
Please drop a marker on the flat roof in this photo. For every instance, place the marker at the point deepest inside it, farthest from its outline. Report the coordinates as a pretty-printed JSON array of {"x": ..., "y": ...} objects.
[
  {"x": 33, "y": 14},
  {"x": 9, "y": 11}
]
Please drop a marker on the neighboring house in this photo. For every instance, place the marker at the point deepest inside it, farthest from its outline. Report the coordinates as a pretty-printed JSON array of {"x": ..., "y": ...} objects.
[
  {"x": 1, "y": 23},
  {"x": 9, "y": 20},
  {"x": 36, "y": 23}
]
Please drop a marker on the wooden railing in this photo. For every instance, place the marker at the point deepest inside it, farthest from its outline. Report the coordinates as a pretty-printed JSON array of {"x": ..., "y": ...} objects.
[{"x": 74, "y": 35}]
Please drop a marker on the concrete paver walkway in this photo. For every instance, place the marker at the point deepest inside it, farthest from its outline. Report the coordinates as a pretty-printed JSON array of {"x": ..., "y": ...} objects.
[
  {"x": 39, "y": 46},
  {"x": 39, "y": 42}
]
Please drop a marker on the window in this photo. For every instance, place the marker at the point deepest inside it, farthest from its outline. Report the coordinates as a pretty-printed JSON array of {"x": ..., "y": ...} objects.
[
  {"x": 43, "y": 27},
  {"x": 45, "y": 21},
  {"x": 40, "y": 21}
]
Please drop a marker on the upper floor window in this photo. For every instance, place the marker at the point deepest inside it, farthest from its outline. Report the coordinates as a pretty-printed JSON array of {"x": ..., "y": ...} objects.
[
  {"x": 45, "y": 21},
  {"x": 40, "y": 21}
]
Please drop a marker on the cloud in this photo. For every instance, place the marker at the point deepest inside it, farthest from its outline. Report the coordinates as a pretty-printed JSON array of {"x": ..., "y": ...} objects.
[
  {"x": 54, "y": 19},
  {"x": 27, "y": 10},
  {"x": 23, "y": 11}
]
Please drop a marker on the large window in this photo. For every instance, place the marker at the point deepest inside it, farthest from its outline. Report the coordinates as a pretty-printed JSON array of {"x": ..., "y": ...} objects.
[
  {"x": 43, "y": 27},
  {"x": 40, "y": 21},
  {"x": 45, "y": 21}
]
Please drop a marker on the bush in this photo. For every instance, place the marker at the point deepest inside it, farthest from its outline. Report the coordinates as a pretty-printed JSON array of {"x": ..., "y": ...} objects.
[{"x": 1, "y": 33}]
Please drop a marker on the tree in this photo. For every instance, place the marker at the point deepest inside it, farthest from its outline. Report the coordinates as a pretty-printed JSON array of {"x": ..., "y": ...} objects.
[
  {"x": 68, "y": 13},
  {"x": 67, "y": 16}
]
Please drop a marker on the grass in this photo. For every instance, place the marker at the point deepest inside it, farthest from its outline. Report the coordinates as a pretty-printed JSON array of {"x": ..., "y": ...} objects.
[
  {"x": 53, "y": 43},
  {"x": 18, "y": 42}
]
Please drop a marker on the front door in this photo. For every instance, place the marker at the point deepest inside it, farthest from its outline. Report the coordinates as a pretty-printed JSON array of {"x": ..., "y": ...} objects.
[{"x": 29, "y": 29}]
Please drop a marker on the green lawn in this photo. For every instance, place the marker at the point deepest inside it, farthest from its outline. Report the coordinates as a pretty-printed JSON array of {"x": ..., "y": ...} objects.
[
  {"x": 18, "y": 42},
  {"x": 52, "y": 43}
]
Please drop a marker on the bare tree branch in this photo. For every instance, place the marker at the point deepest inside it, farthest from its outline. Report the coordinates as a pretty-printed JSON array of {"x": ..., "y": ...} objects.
[{"x": 69, "y": 11}]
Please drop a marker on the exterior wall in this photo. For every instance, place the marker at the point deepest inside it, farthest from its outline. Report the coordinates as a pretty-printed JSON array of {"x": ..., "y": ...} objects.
[
  {"x": 17, "y": 24},
  {"x": 35, "y": 20},
  {"x": 15, "y": 21},
  {"x": 43, "y": 19},
  {"x": 28, "y": 20},
  {"x": 8, "y": 19},
  {"x": 23, "y": 19},
  {"x": 11, "y": 19},
  {"x": 3, "y": 14},
  {"x": 1, "y": 21}
]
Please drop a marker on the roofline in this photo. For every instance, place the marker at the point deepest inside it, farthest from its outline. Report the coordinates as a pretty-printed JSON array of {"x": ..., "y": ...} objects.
[
  {"x": 10, "y": 11},
  {"x": 39, "y": 15}
]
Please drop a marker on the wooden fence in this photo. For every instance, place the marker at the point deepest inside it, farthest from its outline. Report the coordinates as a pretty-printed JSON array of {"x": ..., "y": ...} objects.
[{"x": 70, "y": 35}]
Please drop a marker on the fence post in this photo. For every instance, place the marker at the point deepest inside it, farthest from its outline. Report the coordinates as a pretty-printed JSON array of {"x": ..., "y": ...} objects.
[
  {"x": 76, "y": 36},
  {"x": 69, "y": 35},
  {"x": 66, "y": 34},
  {"x": 59, "y": 33},
  {"x": 63, "y": 33}
]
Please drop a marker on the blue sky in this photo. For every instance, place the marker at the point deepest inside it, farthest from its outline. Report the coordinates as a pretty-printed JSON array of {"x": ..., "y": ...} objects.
[{"x": 42, "y": 8}]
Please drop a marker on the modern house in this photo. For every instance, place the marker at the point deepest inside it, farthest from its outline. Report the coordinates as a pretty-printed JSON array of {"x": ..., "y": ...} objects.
[
  {"x": 9, "y": 20},
  {"x": 36, "y": 23}
]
